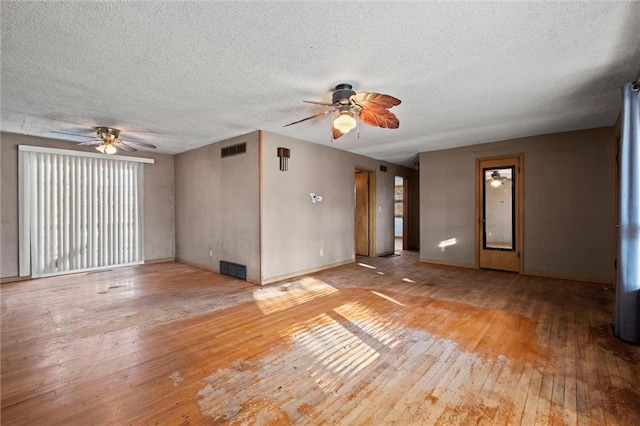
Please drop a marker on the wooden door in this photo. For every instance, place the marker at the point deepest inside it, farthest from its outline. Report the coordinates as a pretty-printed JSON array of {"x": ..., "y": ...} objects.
[
  {"x": 362, "y": 213},
  {"x": 500, "y": 207}
]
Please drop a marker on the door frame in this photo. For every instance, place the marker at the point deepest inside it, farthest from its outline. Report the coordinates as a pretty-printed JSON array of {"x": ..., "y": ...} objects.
[
  {"x": 519, "y": 220},
  {"x": 372, "y": 209}
]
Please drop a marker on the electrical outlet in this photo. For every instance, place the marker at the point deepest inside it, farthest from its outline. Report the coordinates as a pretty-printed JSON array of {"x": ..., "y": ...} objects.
[
  {"x": 210, "y": 253},
  {"x": 321, "y": 252}
]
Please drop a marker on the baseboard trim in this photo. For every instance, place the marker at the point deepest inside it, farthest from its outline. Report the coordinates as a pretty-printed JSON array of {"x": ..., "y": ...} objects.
[
  {"x": 567, "y": 277},
  {"x": 251, "y": 280},
  {"x": 197, "y": 265},
  {"x": 440, "y": 262},
  {"x": 164, "y": 260},
  {"x": 527, "y": 272},
  {"x": 306, "y": 271},
  {"x": 7, "y": 280}
]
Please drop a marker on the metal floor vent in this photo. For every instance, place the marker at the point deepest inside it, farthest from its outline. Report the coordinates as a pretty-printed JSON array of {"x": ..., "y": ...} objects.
[
  {"x": 233, "y": 270},
  {"x": 228, "y": 151}
]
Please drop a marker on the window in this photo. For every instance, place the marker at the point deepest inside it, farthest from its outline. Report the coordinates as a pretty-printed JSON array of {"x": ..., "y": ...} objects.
[
  {"x": 79, "y": 211},
  {"x": 398, "y": 206}
]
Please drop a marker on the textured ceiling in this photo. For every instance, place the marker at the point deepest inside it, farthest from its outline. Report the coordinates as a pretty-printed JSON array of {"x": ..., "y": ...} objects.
[{"x": 183, "y": 75}]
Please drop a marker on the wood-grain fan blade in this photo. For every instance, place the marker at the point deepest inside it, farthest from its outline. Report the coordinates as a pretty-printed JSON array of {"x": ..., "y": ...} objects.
[
  {"x": 379, "y": 117},
  {"x": 373, "y": 100},
  {"x": 336, "y": 133},
  {"x": 313, "y": 116}
]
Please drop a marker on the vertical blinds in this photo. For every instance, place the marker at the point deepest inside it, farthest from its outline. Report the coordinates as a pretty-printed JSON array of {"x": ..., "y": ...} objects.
[{"x": 84, "y": 213}]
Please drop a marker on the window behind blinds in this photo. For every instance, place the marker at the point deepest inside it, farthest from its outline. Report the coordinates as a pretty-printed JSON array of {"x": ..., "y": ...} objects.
[{"x": 83, "y": 212}]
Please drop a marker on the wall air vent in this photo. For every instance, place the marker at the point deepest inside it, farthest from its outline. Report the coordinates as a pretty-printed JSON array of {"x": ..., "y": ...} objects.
[
  {"x": 228, "y": 151},
  {"x": 383, "y": 168},
  {"x": 233, "y": 270}
]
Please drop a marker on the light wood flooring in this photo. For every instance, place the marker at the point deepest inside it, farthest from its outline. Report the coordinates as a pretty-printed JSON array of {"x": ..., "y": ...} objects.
[{"x": 380, "y": 341}]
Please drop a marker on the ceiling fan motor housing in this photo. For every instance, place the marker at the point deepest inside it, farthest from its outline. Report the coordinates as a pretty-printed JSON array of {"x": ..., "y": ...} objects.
[
  {"x": 107, "y": 132},
  {"x": 342, "y": 93}
]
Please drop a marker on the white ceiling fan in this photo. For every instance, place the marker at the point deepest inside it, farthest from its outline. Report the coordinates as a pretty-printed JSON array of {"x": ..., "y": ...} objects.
[{"x": 108, "y": 141}]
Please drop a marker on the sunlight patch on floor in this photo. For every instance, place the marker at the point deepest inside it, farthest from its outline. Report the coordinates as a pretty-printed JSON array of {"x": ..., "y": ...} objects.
[
  {"x": 314, "y": 380},
  {"x": 367, "y": 266},
  {"x": 368, "y": 321},
  {"x": 280, "y": 297},
  {"x": 389, "y": 298},
  {"x": 335, "y": 351}
]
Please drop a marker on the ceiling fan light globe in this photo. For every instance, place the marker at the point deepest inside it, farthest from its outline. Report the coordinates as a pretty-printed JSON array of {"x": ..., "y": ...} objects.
[
  {"x": 344, "y": 122},
  {"x": 496, "y": 183},
  {"x": 110, "y": 149},
  {"x": 100, "y": 148}
]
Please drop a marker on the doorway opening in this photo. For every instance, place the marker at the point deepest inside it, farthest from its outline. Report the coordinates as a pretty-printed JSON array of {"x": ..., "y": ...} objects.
[
  {"x": 364, "y": 228},
  {"x": 499, "y": 207},
  {"x": 400, "y": 214}
]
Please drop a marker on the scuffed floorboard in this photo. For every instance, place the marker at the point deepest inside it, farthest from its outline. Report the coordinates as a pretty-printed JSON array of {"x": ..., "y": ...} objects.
[{"x": 380, "y": 341}]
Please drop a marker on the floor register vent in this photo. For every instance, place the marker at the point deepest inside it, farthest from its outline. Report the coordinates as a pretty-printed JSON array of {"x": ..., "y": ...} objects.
[{"x": 233, "y": 270}]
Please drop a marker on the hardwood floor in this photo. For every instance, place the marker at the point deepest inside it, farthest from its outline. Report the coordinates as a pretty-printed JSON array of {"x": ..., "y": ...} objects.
[{"x": 381, "y": 341}]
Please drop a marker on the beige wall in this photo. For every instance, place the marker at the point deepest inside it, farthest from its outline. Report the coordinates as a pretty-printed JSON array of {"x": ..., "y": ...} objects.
[
  {"x": 159, "y": 219},
  {"x": 569, "y": 226},
  {"x": 216, "y": 212},
  {"x": 299, "y": 236},
  {"x": 218, "y": 206}
]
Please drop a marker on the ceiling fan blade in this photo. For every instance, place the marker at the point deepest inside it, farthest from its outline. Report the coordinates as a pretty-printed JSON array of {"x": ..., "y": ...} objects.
[
  {"x": 313, "y": 116},
  {"x": 379, "y": 118},
  {"x": 124, "y": 146},
  {"x": 319, "y": 103},
  {"x": 74, "y": 134},
  {"x": 336, "y": 133},
  {"x": 373, "y": 100},
  {"x": 143, "y": 144},
  {"x": 93, "y": 142}
]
